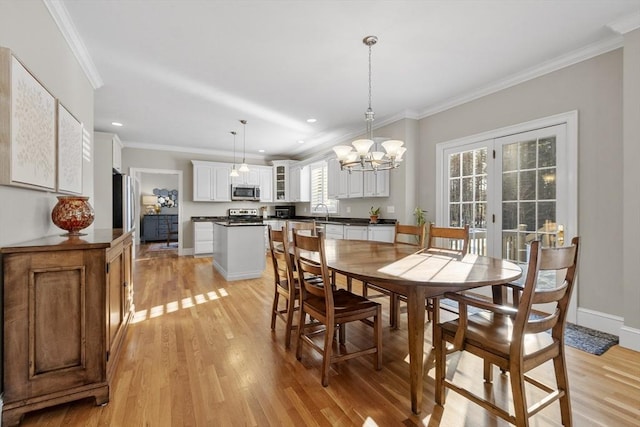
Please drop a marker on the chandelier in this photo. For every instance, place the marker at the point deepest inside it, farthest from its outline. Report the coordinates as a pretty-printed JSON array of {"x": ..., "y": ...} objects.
[
  {"x": 234, "y": 171},
  {"x": 359, "y": 158}
]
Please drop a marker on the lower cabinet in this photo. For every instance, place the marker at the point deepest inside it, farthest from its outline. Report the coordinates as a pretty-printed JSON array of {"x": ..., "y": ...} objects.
[
  {"x": 66, "y": 307},
  {"x": 156, "y": 227},
  {"x": 203, "y": 238},
  {"x": 382, "y": 233}
]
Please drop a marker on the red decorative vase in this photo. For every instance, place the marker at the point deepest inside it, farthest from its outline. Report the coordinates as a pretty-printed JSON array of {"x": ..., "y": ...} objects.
[{"x": 72, "y": 213}]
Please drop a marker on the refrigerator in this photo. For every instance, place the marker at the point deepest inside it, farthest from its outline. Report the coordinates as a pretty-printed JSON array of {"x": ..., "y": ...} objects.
[{"x": 123, "y": 202}]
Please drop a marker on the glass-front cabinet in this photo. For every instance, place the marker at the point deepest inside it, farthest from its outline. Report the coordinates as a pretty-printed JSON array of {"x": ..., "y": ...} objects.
[{"x": 281, "y": 180}]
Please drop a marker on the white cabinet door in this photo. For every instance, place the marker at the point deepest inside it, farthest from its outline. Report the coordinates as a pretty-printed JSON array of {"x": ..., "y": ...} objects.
[
  {"x": 294, "y": 183},
  {"x": 221, "y": 185},
  {"x": 203, "y": 238},
  {"x": 333, "y": 178},
  {"x": 334, "y": 231},
  {"x": 376, "y": 184},
  {"x": 355, "y": 184},
  {"x": 382, "y": 233},
  {"x": 247, "y": 178},
  {"x": 202, "y": 183},
  {"x": 281, "y": 180},
  {"x": 356, "y": 232},
  {"x": 305, "y": 184},
  {"x": 266, "y": 184}
]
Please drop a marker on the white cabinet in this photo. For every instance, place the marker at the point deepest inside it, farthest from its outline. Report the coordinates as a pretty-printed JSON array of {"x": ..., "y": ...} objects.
[
  {"x": 337, "y": 180},
  {"x": 211, "y": 181},
  {"x": 376, "y": 184},
  {"x": 356, "y": 232},
  {"x": 334, "y": 231},
  {"x": 266, "y": 184},
  {"x": 382, "y": 233},
  {"x": 116, "y": 153},
  {"x": 275, "y": 224},
  {"x": 247, "y": 178},
  {"x": 299, "y": 183},
  {"x": 355, "y": 187},
  {"x": 203, "y": 238},
  {"x": 281, "y": 180}
]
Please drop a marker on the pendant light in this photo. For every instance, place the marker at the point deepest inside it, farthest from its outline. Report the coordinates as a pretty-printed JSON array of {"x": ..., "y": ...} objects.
[
  {"x": 243, "y": 166},
  {"x": 234, "y": 172},
  {"x": 359, "y": 158}
]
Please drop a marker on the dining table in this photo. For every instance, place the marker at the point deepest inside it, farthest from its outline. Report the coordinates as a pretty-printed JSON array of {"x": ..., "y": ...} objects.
[{"x": 417, "y": 274}]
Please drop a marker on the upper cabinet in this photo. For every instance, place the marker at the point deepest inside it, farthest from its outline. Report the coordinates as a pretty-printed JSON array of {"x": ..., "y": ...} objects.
[
  {"x": 116, "y": 153},
  {"x": 345, "y": 185},
  {"x": 300, "y": 183},
  {"x": 252, "y": 177},
  {"x": 211, "y": 181},
  {"x": 281, "y": 180},
  {"x": 266, "y": 183}
]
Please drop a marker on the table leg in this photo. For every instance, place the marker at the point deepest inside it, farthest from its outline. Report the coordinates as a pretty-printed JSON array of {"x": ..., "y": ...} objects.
[{"x": 415, "y": 323}]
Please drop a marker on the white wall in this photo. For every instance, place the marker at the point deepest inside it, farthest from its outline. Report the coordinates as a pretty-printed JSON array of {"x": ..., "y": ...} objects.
[{"x": 26, "y": 27}]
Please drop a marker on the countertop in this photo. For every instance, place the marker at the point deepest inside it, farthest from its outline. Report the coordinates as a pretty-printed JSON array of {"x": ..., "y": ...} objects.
[
  {"x": 96, "y": 239},
  {"x": 319, "y": 220}
]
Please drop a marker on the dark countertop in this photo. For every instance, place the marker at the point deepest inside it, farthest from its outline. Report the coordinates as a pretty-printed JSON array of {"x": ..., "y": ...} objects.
[
  {"x": 208, "y": 218},
  {"x": 339, "y": 220},
  {"x": 238, "y": 224}
]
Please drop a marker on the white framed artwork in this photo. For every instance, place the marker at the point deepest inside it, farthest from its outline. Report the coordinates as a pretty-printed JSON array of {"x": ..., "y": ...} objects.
[
  {"x": 69, "y": 152},
  {"x": 33, "y": 131}
]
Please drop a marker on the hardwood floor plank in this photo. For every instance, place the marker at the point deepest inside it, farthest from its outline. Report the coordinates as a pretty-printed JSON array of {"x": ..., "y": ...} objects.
[{"x": 200, "y": 352}]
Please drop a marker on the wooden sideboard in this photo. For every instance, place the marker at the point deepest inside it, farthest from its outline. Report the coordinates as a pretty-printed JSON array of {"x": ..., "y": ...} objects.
[{"x": 67, "y": 304}]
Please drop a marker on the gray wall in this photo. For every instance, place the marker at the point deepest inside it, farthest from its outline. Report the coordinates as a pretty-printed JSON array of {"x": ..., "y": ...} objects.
[
  {"x": 594, "y": 88},
  {"x": 37, "y": 42}
]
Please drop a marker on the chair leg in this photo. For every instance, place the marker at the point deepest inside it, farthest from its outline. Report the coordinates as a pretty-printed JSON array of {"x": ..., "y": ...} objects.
[
  {"x": 365, "y": 289},
  {"x": 290, "y": 311},
  {"x": 302, "y": 319},
  {"x": 377, "y": 331},
  {"x": 327, "y": 351},
  {"x": 274, "y": 309},
  {"x": 488, "y": 371},
  {"x": 396, "y": 311},
  {"x": 441, "y": 365},
  {"x": 519, "y": 398},
  {"x": 342, "y": 334},
  {"x": 562, "y": 381}
]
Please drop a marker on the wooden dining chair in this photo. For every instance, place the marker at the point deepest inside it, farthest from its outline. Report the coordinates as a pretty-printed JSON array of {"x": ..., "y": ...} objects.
[
  {"x": 172, "y": 228},
  {"x": 405, "y": 234},
  {"x": 285, "y": 284},
  {"x": 301, "y": 225},
  {"x": 448, "y": 241},
  {"x": 514, "y": 340},
  {"x": 329, "y": 306}
]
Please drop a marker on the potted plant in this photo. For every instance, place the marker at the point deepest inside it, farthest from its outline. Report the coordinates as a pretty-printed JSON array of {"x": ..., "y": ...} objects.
[{"x": 374, "y": 214}]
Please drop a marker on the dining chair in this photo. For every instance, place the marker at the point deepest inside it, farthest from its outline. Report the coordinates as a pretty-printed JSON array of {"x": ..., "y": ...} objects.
[
  {"x": 301, "y": 225},
  {"x": 329, "y": 306},
  {"x": 448, "y": 241},
  {"x": 172, "y": 228},
  {"x": 404, "y": 234},
  {"x": 285, "y": 284},
  {"x": 514, "y": 338}
]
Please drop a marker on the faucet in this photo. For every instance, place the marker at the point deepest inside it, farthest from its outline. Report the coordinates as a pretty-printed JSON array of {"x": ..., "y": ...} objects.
[{"x": 326, "y": 210}]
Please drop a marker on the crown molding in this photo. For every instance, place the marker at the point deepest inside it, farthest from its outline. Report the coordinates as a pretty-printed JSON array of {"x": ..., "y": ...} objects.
[
  {"x": 547, "y": 67},
  {"x": 61, "y": 17},
  {"x": 191, "y": 150},
  {"x": 626, "y": 23}
]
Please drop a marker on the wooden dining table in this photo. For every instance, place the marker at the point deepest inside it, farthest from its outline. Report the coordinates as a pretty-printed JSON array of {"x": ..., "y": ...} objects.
[{"x": 416, "y": 274}]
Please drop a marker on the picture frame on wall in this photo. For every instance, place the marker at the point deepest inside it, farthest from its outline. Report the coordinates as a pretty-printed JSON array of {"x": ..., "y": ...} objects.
[
  {"x": 32, "y": 130},
  {"x": 70, "y": 139}
]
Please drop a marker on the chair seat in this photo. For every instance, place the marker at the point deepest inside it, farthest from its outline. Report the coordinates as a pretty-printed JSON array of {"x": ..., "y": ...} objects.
[
  {"x": 345, "y": 303},
  {"x": 492, "y": 332}
]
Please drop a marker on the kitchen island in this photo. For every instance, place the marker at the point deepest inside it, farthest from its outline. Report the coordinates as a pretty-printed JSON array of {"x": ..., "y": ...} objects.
[{"x": 238, "y": 250}]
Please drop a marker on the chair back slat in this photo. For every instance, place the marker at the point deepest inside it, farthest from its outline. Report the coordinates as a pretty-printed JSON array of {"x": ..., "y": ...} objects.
[
  {"x": 454, "y": 239},
  {"x": 541, "y": 324},
  {"x": 545, "y": 296},
  {"x": 410, "y": 234},
  {"x": 313, "y": 274}
]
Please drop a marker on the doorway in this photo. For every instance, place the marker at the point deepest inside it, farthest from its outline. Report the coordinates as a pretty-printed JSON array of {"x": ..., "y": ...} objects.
[
  {"x": 512, "y": 185},
  {"x": 144, "y": 184}
]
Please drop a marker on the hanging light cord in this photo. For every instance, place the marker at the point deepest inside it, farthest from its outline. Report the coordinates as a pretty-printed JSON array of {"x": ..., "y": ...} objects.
[
  {"x": 244, "y": 140},
  {"x": 233, "y": 132}
]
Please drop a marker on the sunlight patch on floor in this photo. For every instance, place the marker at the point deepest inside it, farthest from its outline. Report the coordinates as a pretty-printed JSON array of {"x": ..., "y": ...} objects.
[{"x": 174, "y": 306}]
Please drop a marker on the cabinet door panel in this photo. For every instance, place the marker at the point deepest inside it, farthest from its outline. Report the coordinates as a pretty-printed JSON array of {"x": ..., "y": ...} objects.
[{"x": 202, "y": 183}]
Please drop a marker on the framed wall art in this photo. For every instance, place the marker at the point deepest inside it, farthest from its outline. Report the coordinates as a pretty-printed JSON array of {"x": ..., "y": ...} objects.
[
  {"x": 69, "y": 152},
  {"x": 27, "y": 127}
]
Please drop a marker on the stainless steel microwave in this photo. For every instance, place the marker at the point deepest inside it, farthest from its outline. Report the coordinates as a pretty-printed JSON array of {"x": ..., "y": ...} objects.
[{"x": 245, "y": 192}]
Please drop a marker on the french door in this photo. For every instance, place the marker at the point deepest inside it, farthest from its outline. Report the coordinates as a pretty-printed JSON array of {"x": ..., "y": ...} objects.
[{"x": 512, "y": 186}]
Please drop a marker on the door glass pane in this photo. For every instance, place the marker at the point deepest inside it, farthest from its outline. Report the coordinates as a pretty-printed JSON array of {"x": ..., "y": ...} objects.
[
  {"x": 528, "y": 196},
  {"x": 468, "y": 196}
]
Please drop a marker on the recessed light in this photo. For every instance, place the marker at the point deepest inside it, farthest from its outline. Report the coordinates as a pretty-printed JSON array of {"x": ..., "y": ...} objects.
[
  {"x": 300, "y": 141},
  {"x": 311, "y": 120},
  {"x": 260, "y": 151},
  {"x": 117, "y": 124}
]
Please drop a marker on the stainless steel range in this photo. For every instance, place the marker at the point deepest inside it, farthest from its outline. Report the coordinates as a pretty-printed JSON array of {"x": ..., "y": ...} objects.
[{"x": 244, "y": 216}]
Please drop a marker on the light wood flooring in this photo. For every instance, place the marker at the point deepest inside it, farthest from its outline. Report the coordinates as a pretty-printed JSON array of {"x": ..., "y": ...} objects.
[{"x": 200, "y": 353}]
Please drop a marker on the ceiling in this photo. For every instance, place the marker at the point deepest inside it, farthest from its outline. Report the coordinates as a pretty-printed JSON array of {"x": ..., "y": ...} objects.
[{"x": 182, "y": 73}]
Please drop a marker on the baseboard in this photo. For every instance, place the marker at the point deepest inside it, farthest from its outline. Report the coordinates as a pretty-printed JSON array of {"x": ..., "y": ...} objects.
[
  {"x": 630, "y": 338},
  {"x": 600, "y": 321},
  {"x": 187, "y": 252}
]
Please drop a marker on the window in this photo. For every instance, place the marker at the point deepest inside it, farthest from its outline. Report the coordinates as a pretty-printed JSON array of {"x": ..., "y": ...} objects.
[{"x": 319, "y": 188}]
